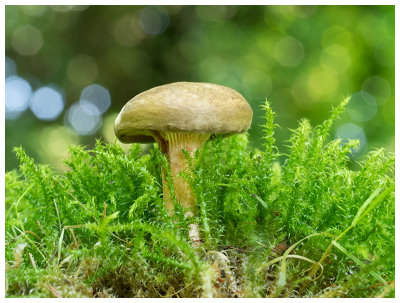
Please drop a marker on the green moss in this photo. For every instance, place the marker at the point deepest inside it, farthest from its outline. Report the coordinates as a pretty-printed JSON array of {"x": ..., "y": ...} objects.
[{"x": 100, "y": 229}]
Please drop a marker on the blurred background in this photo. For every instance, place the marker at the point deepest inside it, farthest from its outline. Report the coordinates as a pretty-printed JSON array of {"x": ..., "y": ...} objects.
[{"x": 70, "y": 69}]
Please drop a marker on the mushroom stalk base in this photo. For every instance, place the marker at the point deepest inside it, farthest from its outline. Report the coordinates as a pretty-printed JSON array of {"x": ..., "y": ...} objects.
[{"x": 172, "y": 144}]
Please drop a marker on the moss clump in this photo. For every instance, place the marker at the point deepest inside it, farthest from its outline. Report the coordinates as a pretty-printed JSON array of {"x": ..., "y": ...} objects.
[{"x": 268, "y": 228}]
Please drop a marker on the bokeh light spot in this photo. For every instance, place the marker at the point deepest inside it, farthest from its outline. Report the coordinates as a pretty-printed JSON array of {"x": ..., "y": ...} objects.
[
  {"x": 337, "y": 57},
  {"x": 289, "y": 51},
  {"x": 27, "y": 40},
  {"x": 54, "y": 142},
  {"x": 83, "y": 120},
  {"x": 300, "y": 94},
  {"x": 17, "y": 93},
  {"x": 10, "y": 67},
  {"x": 79, "y": 7},
  {"x": 288, "y": 13},
  {"x": 47, "y": 103},
  {"x": 350, "y": 131},
  {"x": 61, "y": 8},
  {"x": 378, "y": 87},
  {"x": 127, "y": 31},
  {"x": 322, "y": 80},
  {"x": 96, "y": 95},
  {"x": 107, "y": 131},
  {"x": 82, "y": 70},
  {"x": 217, "y": 13},
  {"x": 362, "y": 106},
  {"x": 154, "y": 19},
  {"x": 33, "y": 10},
  {"x": 337, "y": 35},
  {"x": 257, "y": 82},
  {"x": 302, "y": 11},
  {"x": 371, "y": 28}
]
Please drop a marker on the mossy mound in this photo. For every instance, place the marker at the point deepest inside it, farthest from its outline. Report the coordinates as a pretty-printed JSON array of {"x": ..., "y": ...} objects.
[{"x": 303, "y": 224}]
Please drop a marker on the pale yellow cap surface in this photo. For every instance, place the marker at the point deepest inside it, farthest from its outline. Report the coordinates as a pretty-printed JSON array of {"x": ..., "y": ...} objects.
[{"x": 183, "y": 107}]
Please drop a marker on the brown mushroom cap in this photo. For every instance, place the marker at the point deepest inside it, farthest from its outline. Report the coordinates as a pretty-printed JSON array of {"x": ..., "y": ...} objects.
[{"x": 183, "y": 107}]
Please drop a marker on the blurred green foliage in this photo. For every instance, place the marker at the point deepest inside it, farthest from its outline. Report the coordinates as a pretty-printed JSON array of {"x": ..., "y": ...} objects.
[{"x": 302, "y": 58}]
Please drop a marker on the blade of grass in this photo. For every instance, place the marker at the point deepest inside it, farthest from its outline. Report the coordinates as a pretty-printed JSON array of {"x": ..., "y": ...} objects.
[
  {"x": 366, "y": 203},
  {"x": 24, "y": 235},
  {"x": 262, "y": 202},
  {"x": 19, "y": 199},
  {"x": 370, "y": 203},
  {"x": 32, "y": 260},
  {"x": 282, "y": 272},
  {"x": 60, "y": 245},
  {"x": 355, "y": 259},
  {"x": 379, "y": 199},
  {"x": 66, "y": 259}
]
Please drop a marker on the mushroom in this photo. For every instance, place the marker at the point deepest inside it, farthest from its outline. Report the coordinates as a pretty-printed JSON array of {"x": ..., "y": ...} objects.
[{"x": 182, "y": 116}]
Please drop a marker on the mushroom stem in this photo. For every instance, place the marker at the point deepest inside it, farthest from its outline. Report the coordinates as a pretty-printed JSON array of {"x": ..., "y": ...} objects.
[{"x": 172, "y": 144}]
